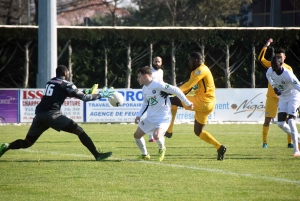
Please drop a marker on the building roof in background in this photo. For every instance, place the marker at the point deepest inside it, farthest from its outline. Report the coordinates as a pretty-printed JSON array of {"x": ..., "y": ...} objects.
[{"x": 76, "y": 15}]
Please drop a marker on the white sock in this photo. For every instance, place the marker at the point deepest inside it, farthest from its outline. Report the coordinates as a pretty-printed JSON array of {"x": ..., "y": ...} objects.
[
  {"x": 150, "y": 136},
  {"x": 285, "y": 127},
  {"x": 292, "y": 124},
  {"x": 161, "y": 142},
  {"x": 141, "y": 145}
]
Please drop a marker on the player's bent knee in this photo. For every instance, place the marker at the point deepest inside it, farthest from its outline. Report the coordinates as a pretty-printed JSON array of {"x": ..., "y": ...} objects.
[
  {"x": 137, "y": 136},
  {"x": 72, "y": 127},
  {"x": 78, "y": 130},
  {"x": 197, "y": 131}
]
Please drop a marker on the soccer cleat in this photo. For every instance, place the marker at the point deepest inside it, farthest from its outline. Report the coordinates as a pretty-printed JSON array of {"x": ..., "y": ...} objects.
[
  {"x": 3, "y": 148},
  {"x": 265, "y": 145},
  {"x": 297, "y": 154},
  {"x": 144, "y": 157},
  {"x": 152, "y": 140},
  {"x": 168, "y": 135},
  {"x": 161, "y": 154},
  {"x": 290, "y": 145},
  {"x": 221, "y": 151},
  {"x": 103, "y": 156}
]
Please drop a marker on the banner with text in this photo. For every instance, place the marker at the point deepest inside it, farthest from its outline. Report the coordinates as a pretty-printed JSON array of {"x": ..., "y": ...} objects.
[
  {"x": 231, "y": 105},
  {"x": 102, "y": 111},
  {"x": 9, "y": 103},
  {"x": 30, "y": 98},
  {"x": 239, "y": 105}
]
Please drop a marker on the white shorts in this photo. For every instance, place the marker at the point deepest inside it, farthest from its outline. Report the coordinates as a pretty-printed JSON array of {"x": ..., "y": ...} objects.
[
  {"x": 288, "y": 106},
  {"x": 149, "y": 127}
]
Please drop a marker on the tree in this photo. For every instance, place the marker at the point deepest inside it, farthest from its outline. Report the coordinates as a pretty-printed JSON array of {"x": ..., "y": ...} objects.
[
  {"x": 191, "y": 13},
  {"x": 26, "y": 63},
  {"x": 113, "y": 7},
  {"x": 212, "y": 13},
  {"x": 16, "y": 12},
  {"x": 218, "y": 13}
]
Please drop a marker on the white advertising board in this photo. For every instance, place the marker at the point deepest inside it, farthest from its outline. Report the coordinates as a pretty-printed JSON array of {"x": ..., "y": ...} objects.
[
  {"x": 231, "y": 105},
  {"x": 239, "y": 105},
  {"x": 102, "y": 111},
  {"x": 30, "y": 98}
]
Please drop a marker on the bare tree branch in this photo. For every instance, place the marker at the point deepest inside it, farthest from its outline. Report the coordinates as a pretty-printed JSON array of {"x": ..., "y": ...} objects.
[
  {"x": 64, "y": 49},
  {"x": 216, "y": 62},
  {"x": 140, "y": 56},
  {"x": 16, "y": 84},
  {"x": 114, "y": 80},
  {"x": 295, "y": 55},
  {"x": 10, "y": 58}
]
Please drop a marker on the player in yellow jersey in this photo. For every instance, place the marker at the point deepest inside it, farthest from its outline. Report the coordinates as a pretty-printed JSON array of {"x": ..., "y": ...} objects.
[
  {"x": 272, "y": 98},
  {"x": 202, "y": 81}
]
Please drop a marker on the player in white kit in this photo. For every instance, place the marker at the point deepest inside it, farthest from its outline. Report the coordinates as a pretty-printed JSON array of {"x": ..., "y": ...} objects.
[
  {"x": 157, "y": 72},
  {"x": 287, "y": 87},
  {"x": 158, "y": 109},
  {"x": 157, "y": 75}
]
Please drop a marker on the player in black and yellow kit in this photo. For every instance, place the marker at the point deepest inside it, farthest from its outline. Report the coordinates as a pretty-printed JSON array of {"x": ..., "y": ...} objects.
[
  {"x": 48, "y": 114},
  {"x": 272, "y": 98},
  {"x": 202, "y": 81}
]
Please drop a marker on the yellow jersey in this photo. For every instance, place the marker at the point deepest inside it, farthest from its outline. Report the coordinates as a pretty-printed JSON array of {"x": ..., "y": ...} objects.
[
  {"x": 202, "y": 81},
  {"x": 267, "y": 64}
]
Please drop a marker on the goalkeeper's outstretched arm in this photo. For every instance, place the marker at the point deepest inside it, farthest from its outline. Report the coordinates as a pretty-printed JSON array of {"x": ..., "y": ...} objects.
[
  {"x": 82, "y": 96},
  {"x": 74, "y": 92}
]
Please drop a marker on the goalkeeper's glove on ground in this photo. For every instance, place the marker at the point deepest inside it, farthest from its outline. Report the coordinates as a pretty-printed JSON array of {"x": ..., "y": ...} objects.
[
  {"x": 92, "y": 90},
  {"x": 277, "y": 92},
  {"x": 107, "y": 93}
]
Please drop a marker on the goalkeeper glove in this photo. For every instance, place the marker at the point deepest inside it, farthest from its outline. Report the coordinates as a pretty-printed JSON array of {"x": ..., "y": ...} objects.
[
  {"x": 277, "y": 92},
  {"x": 92, "y": 90},
  {"x": 107, "y": 93}
]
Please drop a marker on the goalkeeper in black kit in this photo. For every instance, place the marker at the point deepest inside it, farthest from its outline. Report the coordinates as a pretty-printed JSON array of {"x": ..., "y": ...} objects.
[{"x": 48, "y": 113}]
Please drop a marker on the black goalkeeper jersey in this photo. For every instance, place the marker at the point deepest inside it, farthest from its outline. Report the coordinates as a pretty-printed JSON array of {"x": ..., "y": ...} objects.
[{"x": 55, "y": 93}]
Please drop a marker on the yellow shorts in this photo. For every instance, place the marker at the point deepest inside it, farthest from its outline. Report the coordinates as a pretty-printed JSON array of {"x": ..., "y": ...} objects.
[
  {"x": 202, "y": 109},
  {"x": 271, "y": 107}
]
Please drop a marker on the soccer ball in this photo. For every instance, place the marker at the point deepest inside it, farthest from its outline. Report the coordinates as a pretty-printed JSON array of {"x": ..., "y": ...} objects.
[{"x": 116, "y": 100}]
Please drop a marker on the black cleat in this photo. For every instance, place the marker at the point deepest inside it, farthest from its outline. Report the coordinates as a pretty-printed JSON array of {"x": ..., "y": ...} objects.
[
  {"x": 168, "y": 135},
  {"x": 103, "y": 156},
  {"x": 221, "y": 151}
]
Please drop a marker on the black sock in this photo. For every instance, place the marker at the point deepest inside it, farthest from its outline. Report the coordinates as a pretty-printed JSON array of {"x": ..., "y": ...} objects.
[
  {"x": 88, "y": 143},
  {"x": 18, "y": 144}
]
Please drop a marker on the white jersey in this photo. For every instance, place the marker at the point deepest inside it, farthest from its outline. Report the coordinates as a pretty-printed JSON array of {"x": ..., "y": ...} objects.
[
  {"x": 287, "y": 83},
  {"x": 157, "y": 107},
  {"x": 157, "y": 75}
]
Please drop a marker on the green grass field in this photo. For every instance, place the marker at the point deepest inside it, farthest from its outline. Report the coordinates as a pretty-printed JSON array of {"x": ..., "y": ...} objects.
[{"x": 59, "y": 167}]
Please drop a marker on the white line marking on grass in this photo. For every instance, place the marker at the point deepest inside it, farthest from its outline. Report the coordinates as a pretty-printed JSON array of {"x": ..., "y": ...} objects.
[
  {"x": 227, "y": 172},
  {"x": 281, "y": 180}
]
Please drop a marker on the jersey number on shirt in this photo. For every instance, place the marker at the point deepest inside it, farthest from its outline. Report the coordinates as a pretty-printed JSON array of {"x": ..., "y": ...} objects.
[{"x": 49, "y": 90}]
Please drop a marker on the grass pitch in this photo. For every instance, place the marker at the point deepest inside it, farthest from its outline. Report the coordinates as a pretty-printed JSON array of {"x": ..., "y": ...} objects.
[{"x": 59, "y": 167}]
